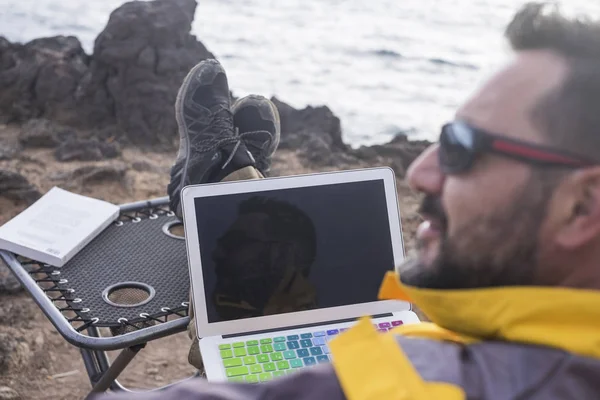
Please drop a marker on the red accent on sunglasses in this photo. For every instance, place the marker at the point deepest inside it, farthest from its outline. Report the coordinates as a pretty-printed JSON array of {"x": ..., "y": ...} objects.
[{"x": 535, "y": 154}]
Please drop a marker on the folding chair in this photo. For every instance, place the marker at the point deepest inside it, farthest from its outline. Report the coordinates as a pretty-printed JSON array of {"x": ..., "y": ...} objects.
[{"x": 132, "y": 279}]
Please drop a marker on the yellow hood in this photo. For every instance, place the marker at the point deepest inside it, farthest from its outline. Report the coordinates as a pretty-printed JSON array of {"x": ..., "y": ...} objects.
[{"x": 563, "y": 318}]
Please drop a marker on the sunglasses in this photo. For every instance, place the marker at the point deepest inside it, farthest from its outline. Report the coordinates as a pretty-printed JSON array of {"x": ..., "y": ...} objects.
[{"x": 460, "y": 144}]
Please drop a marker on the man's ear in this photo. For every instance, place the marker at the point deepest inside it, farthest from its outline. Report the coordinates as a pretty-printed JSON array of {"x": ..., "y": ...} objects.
[{"x": 574, "y": 210}]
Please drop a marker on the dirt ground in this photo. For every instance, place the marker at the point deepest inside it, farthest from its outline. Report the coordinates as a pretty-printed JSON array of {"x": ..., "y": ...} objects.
[{"x": 42, "y": 365}]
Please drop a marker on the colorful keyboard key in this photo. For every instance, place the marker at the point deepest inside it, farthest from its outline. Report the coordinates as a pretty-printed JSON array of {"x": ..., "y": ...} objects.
[
  {"x": 252, "y": 343},
  {"x": 276, "y": 356},
  {"x": 265, "y": 376},
  {"x": 252, "y": 379},
  {"x": 305, "y": 335},
  {"x": 253, "y": 350},
  {"x": 248, "y": 360},
  {"x": 293, "y": 337},
  {"x": 226, "y": 354},
  {"x": 320, "y": 333},
  {"x": 343, "y": 330},
  {"x": 296, "y": 363},
  {"x": 255, "y": 369},
  {"x": 332, "y": 332},
  {"x": 279, "y": 339},
  {"x": 316, "y": 351},
  {"x": 266, "y": 348},
  {"x": 266, "y": 341},
  {"x": 224, "y": 346},
  {"x": 280, "y": 346},
  {"x": 232, "y": 362},
  {"x": 322, "y": 359},
  {"x": 263, "y": 358},
  {"x": 239, "y": 352},
  {"x": 325, "y": 349},
  {"x": 293, "y": 345},
  {"x": 239, "y": 344},
  {"x": 283, "y": 365},
  {"x": 308, "y": 361},
  {"x": 303, "y": 353},
  {"x": 382, "y": 330},
  {"x": 289, "y": 354},
  {"x": 318, "y": 341},
  {"x": 236, "y": 379},
  {"x": 277, "y": 374},
  {"x": 385, "y": 325},
  {"x": 236, "y": 371},
  {"x": 306, "y": 343},
  {"x": 269, "y": 367},
  {"x": 397, "y": 323}
]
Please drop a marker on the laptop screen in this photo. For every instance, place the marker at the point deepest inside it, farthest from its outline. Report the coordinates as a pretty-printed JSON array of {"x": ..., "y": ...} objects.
[{"x": 287, "y": 250}]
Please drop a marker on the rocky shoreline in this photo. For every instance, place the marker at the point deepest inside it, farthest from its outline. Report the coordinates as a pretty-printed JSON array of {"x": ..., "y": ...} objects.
[{"x": 102, "y": 125}]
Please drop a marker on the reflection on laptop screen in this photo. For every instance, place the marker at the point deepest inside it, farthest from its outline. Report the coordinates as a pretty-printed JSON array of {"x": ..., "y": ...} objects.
[{"x": 287, "y": 250}]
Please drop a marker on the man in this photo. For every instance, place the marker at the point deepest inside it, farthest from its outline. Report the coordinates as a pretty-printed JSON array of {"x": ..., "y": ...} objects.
[{"x": 508, "y": 257}]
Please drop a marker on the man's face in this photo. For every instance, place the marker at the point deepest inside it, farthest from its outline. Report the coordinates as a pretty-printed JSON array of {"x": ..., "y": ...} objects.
[{"x": 481, "y": 227}]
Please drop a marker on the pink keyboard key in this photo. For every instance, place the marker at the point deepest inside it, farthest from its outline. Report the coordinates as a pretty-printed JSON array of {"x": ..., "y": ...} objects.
[
  {"x": 397, "y": 323},
  {"x": 385, "y": 325},
  {"x": 382, "y": 330}
]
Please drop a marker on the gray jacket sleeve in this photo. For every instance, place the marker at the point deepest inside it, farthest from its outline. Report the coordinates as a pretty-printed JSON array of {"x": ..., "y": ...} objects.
[{"x": 318, "y": 382}]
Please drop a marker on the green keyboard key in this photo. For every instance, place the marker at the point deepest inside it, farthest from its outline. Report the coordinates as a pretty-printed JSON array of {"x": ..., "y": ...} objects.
[
  {"x": 239, "y": 352},
  {"x": 269, "y": 367},
  {"x": 236, "y": 379},
  {"x": 297, "y": 363},
  {"x": 279, "y": 339},
  {"x": 252, "y": 343},
  {"x": 266, "y": 341},
  {"x": 289, "y": 354},
  {"x": 239, "y": 344},
  {"x": 224, "y": 346},
  {"x": 263, "y": 358},
  {"x": 280, "y": 346},
  {"x": 236, "y": 371},
  {"x": 283, "y": 365},
  {"x": 265, "y": 376},
  {"x": 255, "y": 369},
  {"x": 232, "y": 362},
  {"x": 226, "y": 354},
  {"x": 290, "y": 371},
  {"x": 266, "y": 348},
  {"x": 277, "y": 374},
  {"x": 249, "y": 360},
  {"x": 252, "y": 379},
  {"x": 253, "y": 350},
  {"x": 276, "y": 357}
]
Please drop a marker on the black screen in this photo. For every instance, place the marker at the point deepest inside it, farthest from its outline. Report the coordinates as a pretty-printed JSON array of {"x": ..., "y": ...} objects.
[{"x": 272, "y": 252}]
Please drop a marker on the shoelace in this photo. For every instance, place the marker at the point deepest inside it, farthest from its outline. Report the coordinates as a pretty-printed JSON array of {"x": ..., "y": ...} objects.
[
  {"x": 221, "y": 123},
  {"x": 260, "y": 156}
]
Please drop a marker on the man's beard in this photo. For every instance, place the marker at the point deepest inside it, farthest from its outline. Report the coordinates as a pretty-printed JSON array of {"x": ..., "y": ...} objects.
[{"x": 495, "y": 250}]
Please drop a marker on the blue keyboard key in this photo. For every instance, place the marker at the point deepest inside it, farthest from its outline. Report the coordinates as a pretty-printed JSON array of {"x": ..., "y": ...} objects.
[
  {"x": 319, "y": 341},
  {"x": 320, "y": 333},
  {"x": 316, "y": 351},
  {"x": 332, "y": 332},
  {"x": 322, "y": 359},
  {"x": 303, "y": 353},
  {"x": 293, "y": 345},
  {"x": 325, "y": 349},
  {"x": 306, "y": 343},
  {"x": 305, "y": 335},
  {"x": 293, "y": 337},
  {"x": 309, "y": 361}
]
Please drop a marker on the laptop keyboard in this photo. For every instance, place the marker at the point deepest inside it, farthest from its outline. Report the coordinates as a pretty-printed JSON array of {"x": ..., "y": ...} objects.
[{"x": 263, "y": 359}]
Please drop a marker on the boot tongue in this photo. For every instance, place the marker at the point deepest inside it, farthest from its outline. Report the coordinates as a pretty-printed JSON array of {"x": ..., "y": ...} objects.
[{"x": 233, "y": 157}]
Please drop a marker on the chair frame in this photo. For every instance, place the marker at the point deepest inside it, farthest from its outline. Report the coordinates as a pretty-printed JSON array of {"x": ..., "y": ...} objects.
[{"x": 102, "y": 374}]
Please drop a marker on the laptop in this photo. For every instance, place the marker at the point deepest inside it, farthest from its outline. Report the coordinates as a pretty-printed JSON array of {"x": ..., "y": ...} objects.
[{"x": 281, "y": 266}]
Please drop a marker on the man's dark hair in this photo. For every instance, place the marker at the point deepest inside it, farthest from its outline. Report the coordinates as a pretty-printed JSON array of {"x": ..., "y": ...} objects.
[
  {"x": 570, "y": 115},
  {"x": 289, "y": 224}
]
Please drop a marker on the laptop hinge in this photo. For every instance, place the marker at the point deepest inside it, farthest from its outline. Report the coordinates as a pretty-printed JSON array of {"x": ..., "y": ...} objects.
[{"x": 285, "y": 328}]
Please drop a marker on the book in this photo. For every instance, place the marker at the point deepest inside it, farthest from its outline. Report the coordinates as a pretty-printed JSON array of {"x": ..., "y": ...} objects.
[{"x": 57, "y": 226}]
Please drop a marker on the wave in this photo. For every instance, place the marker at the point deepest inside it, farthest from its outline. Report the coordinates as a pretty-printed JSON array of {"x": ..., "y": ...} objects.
[{"x": 441, "y": 61}]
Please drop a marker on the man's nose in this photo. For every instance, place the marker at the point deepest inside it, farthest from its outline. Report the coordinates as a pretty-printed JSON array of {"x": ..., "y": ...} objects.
[{"x": 424, "y": 174}]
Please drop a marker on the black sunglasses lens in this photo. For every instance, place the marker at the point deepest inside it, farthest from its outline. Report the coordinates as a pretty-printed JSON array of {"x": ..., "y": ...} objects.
[{"x": 457, "y": 147}]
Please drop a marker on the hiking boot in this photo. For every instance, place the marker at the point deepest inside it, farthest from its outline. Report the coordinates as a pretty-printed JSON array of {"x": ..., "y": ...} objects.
[
  {"x": 209, "y": 148},
  {"x": 259, "y": 127}
]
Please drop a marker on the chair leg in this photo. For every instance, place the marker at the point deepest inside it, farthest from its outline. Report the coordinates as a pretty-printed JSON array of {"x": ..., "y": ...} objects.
[{"x": 109, "y": 376}]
